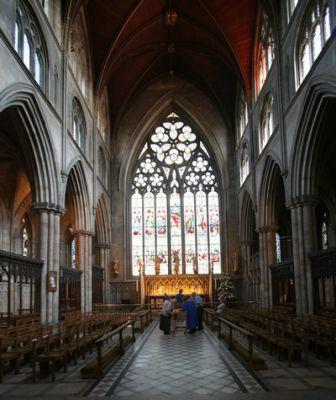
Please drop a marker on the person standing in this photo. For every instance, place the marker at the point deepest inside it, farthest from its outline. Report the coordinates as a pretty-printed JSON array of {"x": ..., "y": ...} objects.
[
  {"x": 165, "y": 315},
  {"x": 190, "y": 308},
  {"x": 199, "y": 309},
  {"x": 180, "y": 297}
]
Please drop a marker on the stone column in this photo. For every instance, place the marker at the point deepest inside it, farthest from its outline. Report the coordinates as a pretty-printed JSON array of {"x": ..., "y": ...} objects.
[
  {"x": 246, "y": 247},
  {"x": 56, "y": 266},
  {"x": 267, "y": 258},
  {"x": 84, "y": 263},
  {"x": 304, "y": 243},
  {"x": 104, "y": 262},
  {"x": 47, "y": 250}
]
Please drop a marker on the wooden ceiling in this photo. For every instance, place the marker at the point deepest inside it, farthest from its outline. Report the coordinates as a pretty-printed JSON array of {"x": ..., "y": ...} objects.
[{"x": 210, "y": 45}]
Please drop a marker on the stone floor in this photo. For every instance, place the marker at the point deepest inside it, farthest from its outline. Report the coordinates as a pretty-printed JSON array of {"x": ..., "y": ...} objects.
[{"x": 187, "y": 366}]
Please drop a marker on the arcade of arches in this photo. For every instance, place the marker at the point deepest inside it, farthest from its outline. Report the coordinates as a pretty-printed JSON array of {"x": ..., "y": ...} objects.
[{"x": 148, "y": 146}]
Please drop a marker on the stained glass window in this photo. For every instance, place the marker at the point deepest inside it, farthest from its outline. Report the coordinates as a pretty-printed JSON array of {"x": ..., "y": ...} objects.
[
  {"x": 278, "y": 258},
  {"x": 189, "y": 230},
  {"x": 25, "y": 238},
  {"x": 137, "y": 233},
  {"x": 314, "y": 34},
  {"x": 242, "y": 115},
  {"x": 78, "y": 123},
  {"x": 265, "y": 55},
  {"x": 324, "y": 231},
  {"x": 175, "y": 207},
  {"x": 73, "y": 253},
  {"x": 214, "y": 231},
  {"x": 244, "y": 164},
  {"x": 266, "y": 121}
]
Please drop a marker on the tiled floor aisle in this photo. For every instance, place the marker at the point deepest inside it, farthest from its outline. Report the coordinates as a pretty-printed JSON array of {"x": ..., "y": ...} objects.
[{"x": 177, "y": 365}]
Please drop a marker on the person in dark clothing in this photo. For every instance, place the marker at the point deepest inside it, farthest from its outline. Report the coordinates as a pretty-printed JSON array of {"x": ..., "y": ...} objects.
[
  {"x": 165, "y": 315},
  {"x": 190, "y": 308},
  {"x": 180, "y": 297},
  {"x": 199, "y": 309}
]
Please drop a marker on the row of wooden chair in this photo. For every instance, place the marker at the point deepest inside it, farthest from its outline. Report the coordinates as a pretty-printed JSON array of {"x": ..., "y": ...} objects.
[
  {"x": 286, "y": 333},
  {"x": 54, "y": 343}
]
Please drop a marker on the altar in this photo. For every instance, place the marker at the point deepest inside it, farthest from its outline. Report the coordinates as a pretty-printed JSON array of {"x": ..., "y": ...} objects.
[{"x": 156, "y": 286}]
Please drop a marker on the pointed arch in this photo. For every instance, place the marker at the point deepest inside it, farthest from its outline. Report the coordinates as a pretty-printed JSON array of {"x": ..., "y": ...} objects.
[
  {"x": 35, "y": 141},
  {"x": 264, "y": 47},
  {"x": 152, "y": 117},
  {"x": 103, "y": 234},
  {"x": 248, "y": 222},
  {"x": 271, "y": 184},
  {"x": 80, "y": 58},
  {"x": 175, "y": 180},
  {"x": 321, "y": 92},
  {"x": 77, "y": 197}
]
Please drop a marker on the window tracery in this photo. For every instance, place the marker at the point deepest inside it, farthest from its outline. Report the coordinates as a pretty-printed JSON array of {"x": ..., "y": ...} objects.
[
  {"x": 265, "y": 54},
  {"x": 244, "y": 164},
  {"x": 78, "y": 124},
  {"x": 266, "y": 121},
  {"x": 73, "y": 252},
  {"x": 25, "y": 231},
  {"x": 29, "y": 44},
  {"x": 278, "y": 255},
  {"x": 175, "y": 205},
  {"x": 79, "y": 57},
  {"x": 315, "y": 32},
  {"x": 242, "y": 115}
]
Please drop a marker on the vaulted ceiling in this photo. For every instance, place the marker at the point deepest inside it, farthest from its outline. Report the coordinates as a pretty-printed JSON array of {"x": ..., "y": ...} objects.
[{"x": 210, "y": 44}]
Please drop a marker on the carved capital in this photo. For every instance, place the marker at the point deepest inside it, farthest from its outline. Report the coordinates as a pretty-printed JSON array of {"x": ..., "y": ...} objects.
[
  {"x": 268, "y": 228},
  {"x": 82, "y": 232},
  {"x": 102, "y": 246},
  {"x": 304, "y": 200},
  {"x": 47, "y": 207}
]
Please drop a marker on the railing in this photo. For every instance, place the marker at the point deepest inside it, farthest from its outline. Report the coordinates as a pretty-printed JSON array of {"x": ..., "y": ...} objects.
[
  {"x": 233, "y": 327},
  {"x": 21, "y": 282},
  {"x": 119, "y": 307},
  {"x": 136, "y": 312},
  {"x": 107, "y": 338}
]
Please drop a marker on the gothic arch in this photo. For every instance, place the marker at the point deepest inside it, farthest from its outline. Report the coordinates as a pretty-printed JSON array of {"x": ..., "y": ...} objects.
[
  {"x": 77, "y": 197},
  {"x": 77, "y": 44},
  {"x": 161, "y": 109},
  {"x": 102, "y": 225},
  {"x": 35, "y": 140},
  {"x": 271, "y": 184},
  {"x": 266, "y": 8},
  {"x": 320, "y": 93},
  {"x": 247, "y": 218}
]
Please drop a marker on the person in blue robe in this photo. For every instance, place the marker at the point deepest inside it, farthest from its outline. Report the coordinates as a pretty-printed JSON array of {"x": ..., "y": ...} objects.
[
  {"x": 199, "y": 308},
  {"x": 180, "y": 297},
  {"x": 190, "y": 308}
]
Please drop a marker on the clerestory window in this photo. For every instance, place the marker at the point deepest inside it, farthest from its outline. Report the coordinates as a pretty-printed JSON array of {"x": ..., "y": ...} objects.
[{"x": 29, "y": 44}]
